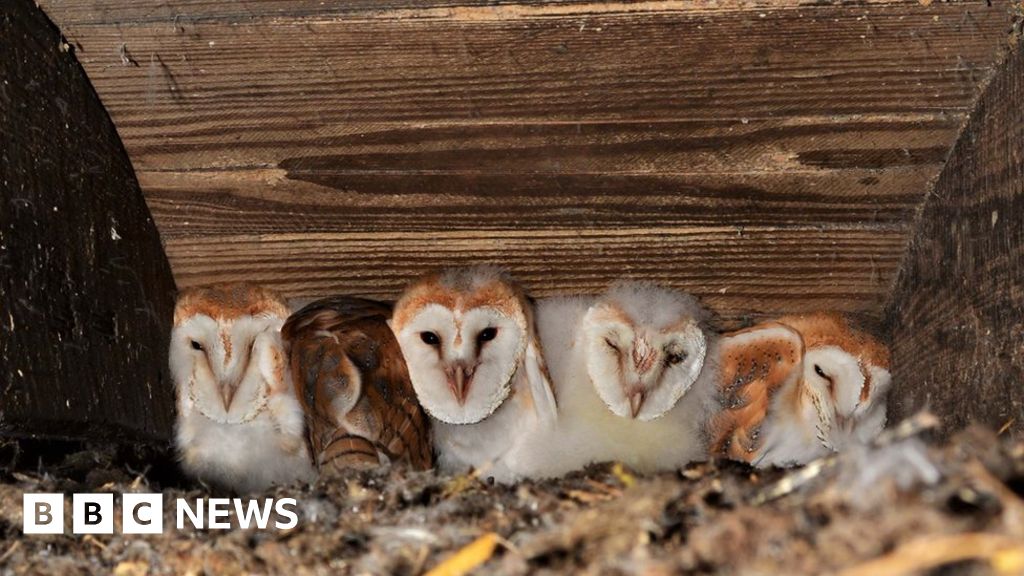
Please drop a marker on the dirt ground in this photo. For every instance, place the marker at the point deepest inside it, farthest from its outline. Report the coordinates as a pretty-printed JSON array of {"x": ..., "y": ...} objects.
[{"x": 906, "y": 506}]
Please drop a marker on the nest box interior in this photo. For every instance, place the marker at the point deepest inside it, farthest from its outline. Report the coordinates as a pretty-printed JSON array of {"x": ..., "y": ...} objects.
[{"x": 767, "y": 156}]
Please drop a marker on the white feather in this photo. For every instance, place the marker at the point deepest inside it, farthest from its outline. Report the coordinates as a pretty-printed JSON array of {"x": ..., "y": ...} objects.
[
  {"x": 509, "y": 396},
  {"x": 586, "y": 430},
  {"x": 256, "y": 442},
  {"x": 822, "y": 425}
]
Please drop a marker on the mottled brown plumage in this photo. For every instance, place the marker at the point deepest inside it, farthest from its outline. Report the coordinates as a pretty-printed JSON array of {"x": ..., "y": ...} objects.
[
  {"x": 751, "y": 373},
  {"x": 354, "y": 386},
  {"x": 798, "y": 388}
]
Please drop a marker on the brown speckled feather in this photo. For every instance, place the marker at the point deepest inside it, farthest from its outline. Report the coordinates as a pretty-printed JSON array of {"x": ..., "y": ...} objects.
[
  {"x": 354, "y": 386},
  {"x": 755, "y": 363}
]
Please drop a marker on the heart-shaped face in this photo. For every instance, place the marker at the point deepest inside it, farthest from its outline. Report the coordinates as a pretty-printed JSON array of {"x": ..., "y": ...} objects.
[
  {"x": 222, "y": 340},
  {"x": 463, "y": 334},
  {"x": 644, "y": 348}
]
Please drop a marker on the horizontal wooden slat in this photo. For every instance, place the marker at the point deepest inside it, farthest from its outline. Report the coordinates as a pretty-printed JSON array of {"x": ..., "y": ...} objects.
[
  {"x": 226, "y": 95},
  {"x": 190, "y": 204},
  {"x": 738, "y": 272},
  {"x": 766, "y": 155},
  {"x": 107, "y": 12},
  {"x": 783, "y": 145}
]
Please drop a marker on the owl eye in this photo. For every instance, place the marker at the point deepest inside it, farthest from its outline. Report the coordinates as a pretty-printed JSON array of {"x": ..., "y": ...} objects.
[
  {"x": 197, "y": 346},
  {"x": 611, "y": 344},
  {"x": 675, "y": 358},
  {"x": 430, "y": 338},
  {"x": 820, "y": 372},
  {"x": 486, "y": 335}
]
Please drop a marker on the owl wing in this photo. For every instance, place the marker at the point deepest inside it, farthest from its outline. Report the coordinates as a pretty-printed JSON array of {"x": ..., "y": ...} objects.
[
  {"x": 356, "y": 388},
  {"x": 324, "y": 386},
  {"x": 330, "y": 314},
  {"x": 754, "y": 364},
  {"x": 540, "y": 384},
  {"x": 534, "y": 374},
  {"x": 402, "y": 429},
  {"x": 326, "y": 382}
]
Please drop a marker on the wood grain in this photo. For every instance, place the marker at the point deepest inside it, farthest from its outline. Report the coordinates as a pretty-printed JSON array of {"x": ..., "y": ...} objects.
[
  {"x": 222, "y": 95},
  {"x": 266, "y": 201},
  {"x": 735, "y": 270},
  {"x": 350, "y": 146},
  {"x": 86, "y": 294},
  {"x": 107, "y": 12},
  {"x": 957, "y": 313}
]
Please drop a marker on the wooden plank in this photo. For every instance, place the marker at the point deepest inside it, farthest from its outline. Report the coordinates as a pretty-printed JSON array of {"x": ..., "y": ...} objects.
[
  {"x": 739, "y": 271},
  {"x": 957, "y": 313},
  {"x": 294, "y": 143},
  {"x": 667, "y": 147},
  {"x": 191, "y": 204},
  {"x": 107, "y": 12},
  {"x": 215, "y": 94},
  {"x": 86, "y": 294}
]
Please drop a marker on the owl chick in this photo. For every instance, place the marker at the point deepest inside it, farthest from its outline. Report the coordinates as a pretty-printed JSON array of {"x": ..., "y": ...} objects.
[
  {"x": 630, "y": 374},
  {"x": 468, "y": 337},
  {"x": 797, "y": 389},
  {"x": 239, "y": 424},
  {"x": 351, "y": 379}
]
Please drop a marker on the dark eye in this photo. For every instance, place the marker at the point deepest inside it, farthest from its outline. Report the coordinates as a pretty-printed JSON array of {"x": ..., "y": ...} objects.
[
  {"x": 673, "y": 359},
  {"x": 820, "y": 372},
  {"x": 486, "y": 335},
  {"x": 430, "y": 338},
  {"x": 196, "y": 345},
  {"x": 611, "y": 344}
]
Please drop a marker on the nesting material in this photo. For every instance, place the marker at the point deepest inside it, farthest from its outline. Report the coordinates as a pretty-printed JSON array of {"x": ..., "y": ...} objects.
[{"x": 906, "y": 504}]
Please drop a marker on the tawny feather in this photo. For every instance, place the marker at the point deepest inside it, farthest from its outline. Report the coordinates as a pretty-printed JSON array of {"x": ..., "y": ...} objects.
[
  {"x": 354, "y": 386},
  {"x": 798, "y": 388}
]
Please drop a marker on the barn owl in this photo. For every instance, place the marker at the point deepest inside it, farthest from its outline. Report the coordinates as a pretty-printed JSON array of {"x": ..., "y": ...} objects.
[
  {"x": 631, "y": 376},
  {"x": 239, "y": 424},
  {"x": 351, "y": 379},
  {"x": 468, "y": 337},
  {"x": 799, "y": 388}
]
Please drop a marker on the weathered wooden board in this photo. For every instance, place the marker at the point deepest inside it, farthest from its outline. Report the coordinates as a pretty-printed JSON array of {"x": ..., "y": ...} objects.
[
  {"x": 352, "y": 127},
  {"x": 957, "y": 313},
  {"x": 213, "y": 94},
  {"x": 734, "y": 270},
  {"x": 86, "y": 294},
  {"x": 105, "y": 12},
  {"x": 267, "y": 202}
]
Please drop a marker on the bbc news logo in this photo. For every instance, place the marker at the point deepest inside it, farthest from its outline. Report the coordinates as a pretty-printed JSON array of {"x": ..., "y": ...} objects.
[{"x": 144, "y": 513}]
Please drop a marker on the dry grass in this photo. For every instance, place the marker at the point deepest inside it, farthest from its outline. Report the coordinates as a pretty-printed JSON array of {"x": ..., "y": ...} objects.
[{"x": 905, "y": 508}]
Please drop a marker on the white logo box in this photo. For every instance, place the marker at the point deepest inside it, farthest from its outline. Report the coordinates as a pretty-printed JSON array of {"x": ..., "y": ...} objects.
[{"x": 43, "y": 513}]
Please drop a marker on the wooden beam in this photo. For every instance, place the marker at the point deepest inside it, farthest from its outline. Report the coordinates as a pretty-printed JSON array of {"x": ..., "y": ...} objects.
[
  {"x": 268, "y": 202},
  {"x": 524, "y": 120},
  {"x": 957, "y": 314},
  {"x": 209, "y": 94},
  {"x": 757, "y": 271},
  {"x": 86, "y": 294},
  {"x": 119, "y": 12}
]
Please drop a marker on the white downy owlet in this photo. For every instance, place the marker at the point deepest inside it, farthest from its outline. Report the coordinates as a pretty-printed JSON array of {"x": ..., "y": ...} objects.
[
  {"x": 632, "y": 376},
  {"x": 468, "y": 338},
  {"x": 799, "y": 388},
  {"x": 239, "y": 424}
]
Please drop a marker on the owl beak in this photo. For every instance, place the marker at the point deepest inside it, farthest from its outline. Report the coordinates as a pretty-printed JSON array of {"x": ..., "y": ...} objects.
[
  {"x": 459, "y": 380},
  {"x": 636, "y": 400},
  {"x": 227, "y": 394}
]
